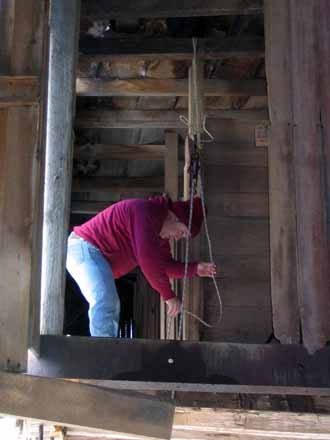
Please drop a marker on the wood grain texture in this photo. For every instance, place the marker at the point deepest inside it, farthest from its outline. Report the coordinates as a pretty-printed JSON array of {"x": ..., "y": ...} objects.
[
  {"x": 313, "y": 254},
  {"x": 17, "y": 216},
  {"x": 235, "y": 179},
  {"x": 167, "y": 87},
  {"x": 157, "y": 8},
  {"x": 286, "y": 320},
  {"x": 104, "y": 51},
  {"x": 119, "y": 152},
  {"x": 154, "y": 118},
  {"x": 18, "y": 90},
  {"x": 23, "y": 396}
]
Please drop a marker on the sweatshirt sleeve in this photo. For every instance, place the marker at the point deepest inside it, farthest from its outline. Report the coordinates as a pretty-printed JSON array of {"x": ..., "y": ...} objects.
[
  {"x": 175, "y": 269},
  {"x": 147, "y": 248}
]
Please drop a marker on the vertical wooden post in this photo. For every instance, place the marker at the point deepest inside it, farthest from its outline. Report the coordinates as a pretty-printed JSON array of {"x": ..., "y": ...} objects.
[
  {"x": 171, "y": 166},
  {"x": 313, "y": 256},
  {"x": 20, "y": 166},
  {"x": 64, "y": 29},
  {"x": 286, "y": 320},
  {"x": 193, "y": 295}
]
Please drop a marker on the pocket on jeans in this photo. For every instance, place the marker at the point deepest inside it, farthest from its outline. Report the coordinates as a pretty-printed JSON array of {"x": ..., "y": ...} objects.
[{"x": 75, "y": 253}]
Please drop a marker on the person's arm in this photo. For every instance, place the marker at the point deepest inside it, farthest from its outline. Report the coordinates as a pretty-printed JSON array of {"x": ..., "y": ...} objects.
[
  {"x": 175, "y": 269},
  {"x": 147, "y": 248}
]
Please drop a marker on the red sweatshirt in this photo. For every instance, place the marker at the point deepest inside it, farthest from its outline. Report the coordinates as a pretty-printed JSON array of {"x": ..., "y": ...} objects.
[{"x": 127, "y": 234}]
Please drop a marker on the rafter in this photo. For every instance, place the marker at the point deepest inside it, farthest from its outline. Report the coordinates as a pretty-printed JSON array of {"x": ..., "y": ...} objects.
[
  {"x": 167, "y": 87},
  {"x": 156, "y": 118},
  {"x": 171, "y": 8}
]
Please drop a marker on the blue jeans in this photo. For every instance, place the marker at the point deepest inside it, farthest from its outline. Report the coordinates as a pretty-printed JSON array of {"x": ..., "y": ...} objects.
[{"x": 93, "y": 274}]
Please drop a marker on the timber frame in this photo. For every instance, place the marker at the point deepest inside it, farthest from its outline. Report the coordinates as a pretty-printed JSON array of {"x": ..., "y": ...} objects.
[{"x": 299, "y": 169}]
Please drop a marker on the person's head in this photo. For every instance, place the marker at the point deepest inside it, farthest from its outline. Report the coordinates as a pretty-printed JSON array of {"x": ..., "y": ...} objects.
[{"x": 176, "y": 223}]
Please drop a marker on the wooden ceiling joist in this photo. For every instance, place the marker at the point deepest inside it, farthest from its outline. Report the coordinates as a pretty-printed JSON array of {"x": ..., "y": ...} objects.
[
  {"x": 88, "y": 207},
  {"x": 154, "y": 184},
  {"x": 18, "y": 90},
  {"x": 116, "y": 9},
  {"x": 156, "y": 118},
  {"x": 84, "y": 405},
  {"x": 167, "y": 87},
  {"x": 166, "y": 47},
  {"x": 120, "y": 152}
]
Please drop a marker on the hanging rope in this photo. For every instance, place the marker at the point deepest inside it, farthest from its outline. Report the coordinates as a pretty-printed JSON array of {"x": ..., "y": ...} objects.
[{"x": 196, "y": 125}]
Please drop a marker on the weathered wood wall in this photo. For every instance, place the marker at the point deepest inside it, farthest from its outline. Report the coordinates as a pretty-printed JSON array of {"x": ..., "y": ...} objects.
[
  {"x": 22, "y": 30},
  {"x": 297, "y": 55},
  {"x": 236, "y": 186}
]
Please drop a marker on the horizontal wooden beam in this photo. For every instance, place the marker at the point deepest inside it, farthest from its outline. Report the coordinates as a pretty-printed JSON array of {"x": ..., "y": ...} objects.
[
  {"x": 88, "y": 207},
  {"x": 18, "y": 90},
  {"x": 156, "y": 118},
  {"x": 167, "y": 87},
  {"x": 171, "y": 8},
  {"x": 79, "y": 404},
  {"x": 119, "y": 184},
  {"x": 173, "y": 48},
  {"x": 205, "y": 423},
  {"x": 120, "y": 152},
  {"x": 217, "y": 367}
]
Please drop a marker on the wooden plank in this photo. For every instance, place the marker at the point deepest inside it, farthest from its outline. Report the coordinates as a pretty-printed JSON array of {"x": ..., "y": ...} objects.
[
  {"x": 157, "y": 8},
  {"x": 238, "y": 236},
  {"x": 23, "y": 48},
  {"x": 155, "y": 118},
  {"x": 269, "y": 365},
  {"x": 178, "y": 49},
  {"x": 120, "y": 152},
  {"x": 267, "y": 424},
  {"x": 323, "y": 11},
  {"x": 286, "y": 319},
  {"x": 239, "y": 204},
  {"x": 167, "y": 87},
  {"x": 312, "y": 250},
  {"x": 235, "y": 179},
  {"x": 88, "y": 207},
  {"x": 63, "y": 39},
  {"x": 193, "y": 295},
  {"x": 171, "y": 185},
  {"x": 23, "y": 396},
  {"x": 171, "y": 165},
  {"x": 231, "y": 154},
  {"x": 118, "y": 184},
  {"x": 18, "y": 90},
  {"x": 17, "y": 216}
]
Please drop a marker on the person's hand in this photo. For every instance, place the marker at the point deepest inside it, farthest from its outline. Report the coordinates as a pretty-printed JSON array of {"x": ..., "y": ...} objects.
[
  {"x": 206, "y": 269},
  {"x": 173, "y": 306}
]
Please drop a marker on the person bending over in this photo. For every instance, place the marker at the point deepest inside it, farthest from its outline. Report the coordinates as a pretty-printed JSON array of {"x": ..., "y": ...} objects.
[{"x": 130, "y": 233}]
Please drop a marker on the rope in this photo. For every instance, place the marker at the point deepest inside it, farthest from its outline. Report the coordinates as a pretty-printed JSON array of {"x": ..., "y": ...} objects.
[
  {"x": 192, "y": 189},
  {"x": 195, "y": 129}
]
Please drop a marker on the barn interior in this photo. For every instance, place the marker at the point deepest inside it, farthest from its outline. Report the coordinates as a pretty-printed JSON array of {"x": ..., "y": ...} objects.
[{"x": 95, "y": 107}]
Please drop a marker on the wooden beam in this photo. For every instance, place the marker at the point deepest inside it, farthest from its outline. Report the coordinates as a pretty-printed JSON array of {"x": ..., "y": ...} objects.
[
  {"x": 195, "y": 423},
  {"x": 167, "y": 87},
  {"x": 115, "y": 9},
  {"x": 274, "y": 367},
  {"x": 120, "y": 152},
  {"x": 88, "y": 207},
  {"x": 84, "y": 405},
  {"x": 155, "y": 118},
  {"x": 119, "y": 184},
  {"x": 22, "y": 36},
  {"x": 18, "y": 90},
  {"x": 283, "y": 238},
  {"x": 178, "y": 49},
  {"x": 310, "y": 175},
  {"x": 194, "y": 297},
  {"x": 171, "y": 188}
]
